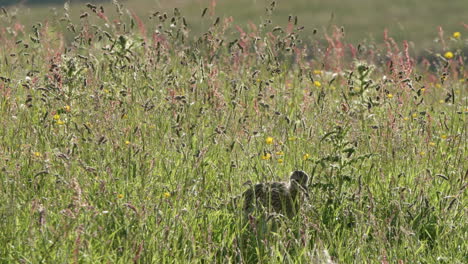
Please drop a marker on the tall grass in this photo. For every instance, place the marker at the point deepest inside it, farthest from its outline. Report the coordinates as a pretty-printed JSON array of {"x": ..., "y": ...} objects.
[{"x": 125, "y": 144}]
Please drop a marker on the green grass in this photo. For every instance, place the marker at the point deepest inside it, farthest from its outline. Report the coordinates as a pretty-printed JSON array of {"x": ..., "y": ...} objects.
[
  {"x": 119, "y": 147},
  {"x": 364, "y": 20}
]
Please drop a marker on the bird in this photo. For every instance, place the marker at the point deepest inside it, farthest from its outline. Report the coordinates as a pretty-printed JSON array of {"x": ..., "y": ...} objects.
[{"x": 278, "y": 197}]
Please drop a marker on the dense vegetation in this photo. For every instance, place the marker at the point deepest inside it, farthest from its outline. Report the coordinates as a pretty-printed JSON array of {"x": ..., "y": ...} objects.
[{"x": 122, "y": 144}]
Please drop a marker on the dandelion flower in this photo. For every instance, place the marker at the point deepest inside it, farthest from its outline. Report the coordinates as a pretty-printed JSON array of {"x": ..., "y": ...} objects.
[
  {"x": 448, "y": 55},
  {"x": 266, "y": 156},
  {"x": 306, "y": 156},
  {"x": 406, "y": 118},
  {"x": 389, "y": 96},
  {"x": 443, "y": 136},
  {"x": 292, "y": 138},
  {"x": 441, "y": 101},
  {"x": 415, "y": 115},
  {"x": 422, "y": 153},
  {"x": 423, "y": 90},
  {"x": 317, "y": 84},
  {"x": 280, "y": 153},
  {"x": 167, "y": 195},
  {"x": 438, "y": 85},
  {"x": 120, "y": 196},
  {"x": 432, "y": 144},
  {"x": 269, "y": 140},
  {"x": 317, "y": 72},
  {"x": 37, "y": 154},
  {"x": 280, "y": 161},
  {"x": 67, "y": 108},
  {"x": 127, "y": 142},
  {"x": 456, "y": 35},
  {"x": 60, "y": 122},
  {"x": 56, "y": 117}
]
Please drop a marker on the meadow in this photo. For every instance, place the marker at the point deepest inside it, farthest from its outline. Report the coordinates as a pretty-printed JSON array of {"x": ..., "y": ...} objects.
[{"x": 125, "y": 139}]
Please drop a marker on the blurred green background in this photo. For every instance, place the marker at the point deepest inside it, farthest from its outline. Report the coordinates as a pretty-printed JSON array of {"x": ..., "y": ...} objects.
[{"x": 413, "y": 20}]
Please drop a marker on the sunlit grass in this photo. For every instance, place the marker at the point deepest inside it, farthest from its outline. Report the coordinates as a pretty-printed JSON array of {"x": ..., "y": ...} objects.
[{"x": 121, "y": 144}]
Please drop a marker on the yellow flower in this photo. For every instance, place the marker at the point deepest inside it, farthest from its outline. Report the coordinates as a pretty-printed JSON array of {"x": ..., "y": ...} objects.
[
  {"x": 280, "y": 153},
  {"x": 423, "y": 90},
  {"x": 266, "y": 156},
  {"x": 37, "y": 154},
  {"x": 406, "y": 118},
  {"x": 60, "y": 122},
  {"x": 318, "y": 72},
  {"x": 333, "y": 87},
  {"x": 120, "y": 196},
  {"x": 390, "y": 96},
  {"x": 167, "y": 195},
  {"x": 444, "y": 136},
  {"x": 67, "y": 108},
  {"x": 269, "y": 140},
  {"x": 415, "y": 115},
  {"x": 258, "y": 80},
  {"x": 127, "y": 142},
  {"x": 356, "y": 89},
  {"x": 56, "y": 117},
  {"x": 456, "y": 35},
  {"x": 438, "y": 85},
  {"x": 422, "y": 153},
  {"x": 292, "y": 138},
  {"x": 106, "y": 91},
  {"x": 317, "y": 84},
  {"x": 441, "y": 101},
  {"x": 432, "y": 144},
  {"x": 448, "y": 55},
  {"x": 280, "y": 161},
  {"x": 306, "y": 156}
]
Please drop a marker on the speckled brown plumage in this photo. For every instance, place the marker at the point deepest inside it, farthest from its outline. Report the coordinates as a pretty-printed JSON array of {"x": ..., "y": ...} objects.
[{"x": 280, "y": 197}]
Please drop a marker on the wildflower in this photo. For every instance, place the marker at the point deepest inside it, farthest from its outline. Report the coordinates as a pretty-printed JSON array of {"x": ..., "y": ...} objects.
[
  {"x": 448, "y": 55},
  {"x": 258, "y": 80},
  {"x": 280, "y": 161},
  {"x": 60, "y": 122},
  {"x": 443, "y": 136},
  {"x": 56, "y": 117},
  {"x": 306, "y": 156},
  {"x": 317, "y": 84},
  {"x": 127, "y": 142},
  {"x": 280, "y": 153},
  {"x": 167, "y": 195},
  {"x": 356, "y": 89},
  {"x": 120, "y": 196},
  {"x": 422, "y": 153},
  {"x": 456, "y": 35},
  {"x": 415, "y": 115},
  {"x": 266, "y": 156},
  {"x": 423, "y": 90},
  {"x": 438, "y": 85},
  {"x": 67, "y": 108},
  {"x": 269, "y": 140},
  {"x": 432, "y": 144},
  {"x": 318, "y": 72},
  {"x": 441, "y": 101},
  {"x": 37, "y": 154},
  {"x": 292, "y": 138},
  {"x": 389, "y": 96},
  {"x": 406, "y": 118}
]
